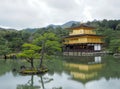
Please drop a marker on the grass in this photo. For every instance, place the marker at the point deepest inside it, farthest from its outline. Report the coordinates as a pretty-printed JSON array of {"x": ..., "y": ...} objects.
[{"x": 34, "y": 71}]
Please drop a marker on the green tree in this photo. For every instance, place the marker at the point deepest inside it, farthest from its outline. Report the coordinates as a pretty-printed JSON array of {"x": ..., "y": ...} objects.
[
  {"x": 15, "y": 44},
  {"x": 4, "y": 49},
  {"x": 30, "y": 52},
  {"x": 49, "y": 44},
  {"x": 118, "y": 27},
  {"x": 115, "y": 45}
]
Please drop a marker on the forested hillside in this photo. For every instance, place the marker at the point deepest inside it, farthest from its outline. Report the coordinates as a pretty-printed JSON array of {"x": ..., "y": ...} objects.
[{"x": 11, "y": 40}]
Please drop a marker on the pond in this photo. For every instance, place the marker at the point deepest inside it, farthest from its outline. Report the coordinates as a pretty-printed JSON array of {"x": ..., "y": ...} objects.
[{"x": 93, "y": 72}]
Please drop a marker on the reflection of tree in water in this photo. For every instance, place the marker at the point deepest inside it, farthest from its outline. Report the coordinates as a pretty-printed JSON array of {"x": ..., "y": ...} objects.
[
  {"x": 4, "y": 67},
  {"x": 10, "y": 65},
  {"x": 7, "y": 66},
  {"x": 112, "y": 68},
  {"x": 45, "y": 80},
  {"x": 30, "y": 83},
  {"x": 55, "y": 66}
]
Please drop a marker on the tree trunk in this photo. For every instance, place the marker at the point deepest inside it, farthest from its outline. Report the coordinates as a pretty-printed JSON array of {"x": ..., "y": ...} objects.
[
  {"x": 5, "y": 57},
  {"x": 32, "y": 65},
  {"x": 42, "y": 82},
  {"x": 32, "y": 80},
  {"x": 42, "y": 54}
]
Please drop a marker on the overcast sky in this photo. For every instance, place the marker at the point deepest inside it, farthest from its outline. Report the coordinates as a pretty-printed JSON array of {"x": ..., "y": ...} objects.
[{"x": 21, "y": 14}]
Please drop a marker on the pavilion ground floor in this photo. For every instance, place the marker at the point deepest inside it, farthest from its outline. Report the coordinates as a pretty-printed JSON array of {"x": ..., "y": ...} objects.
[
  {"x": 81, "y": 49},
  {"x": 85, "y": 53}
]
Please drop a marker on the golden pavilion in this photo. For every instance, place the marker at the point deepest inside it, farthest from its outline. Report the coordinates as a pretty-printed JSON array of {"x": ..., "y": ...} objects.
[{"x": 82, "y": 39}]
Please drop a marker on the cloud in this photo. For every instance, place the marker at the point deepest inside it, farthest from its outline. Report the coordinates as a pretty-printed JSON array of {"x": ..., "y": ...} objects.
[
  {"x": 104, "y": 9},
  {"x": 39, "y": 13},
  {"x": 87, "y": 13},
  {"x": 62, "y": 4}
]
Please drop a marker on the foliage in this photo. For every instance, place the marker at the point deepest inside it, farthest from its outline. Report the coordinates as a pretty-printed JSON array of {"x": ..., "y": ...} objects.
[
  {"x": 13, "y": 39},
  {"x": 59, "y": 31},
  {"x": 50, "y": 42},
  {"x": 115, "y": 45},
  {"x": 30, "y": 52},
  {"x": 4, "y": 49},
  {"x": 49, "y": 45}
]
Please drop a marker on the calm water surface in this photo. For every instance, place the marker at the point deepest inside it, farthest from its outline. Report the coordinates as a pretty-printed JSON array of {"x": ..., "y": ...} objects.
[{"x": 67, "y": 73}]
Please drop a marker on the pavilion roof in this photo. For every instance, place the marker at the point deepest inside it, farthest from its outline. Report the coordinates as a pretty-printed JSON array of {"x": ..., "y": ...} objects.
[{"x": 82, "y": 26}]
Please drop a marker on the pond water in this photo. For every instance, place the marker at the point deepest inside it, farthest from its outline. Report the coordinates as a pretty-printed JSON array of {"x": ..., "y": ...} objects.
[{"x": 66, "y": 73}]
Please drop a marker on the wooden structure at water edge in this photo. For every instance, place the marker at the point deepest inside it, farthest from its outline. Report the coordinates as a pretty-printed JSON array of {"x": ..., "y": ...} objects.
[{"x": 82, "y": 40}]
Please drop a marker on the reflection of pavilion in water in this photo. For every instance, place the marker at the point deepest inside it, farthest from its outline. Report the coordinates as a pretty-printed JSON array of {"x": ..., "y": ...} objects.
[{"x": 86, "y": 69}]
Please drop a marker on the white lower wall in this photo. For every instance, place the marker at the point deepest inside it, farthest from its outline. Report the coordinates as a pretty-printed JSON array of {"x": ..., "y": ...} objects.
[{"x": 97, "y": 47}]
